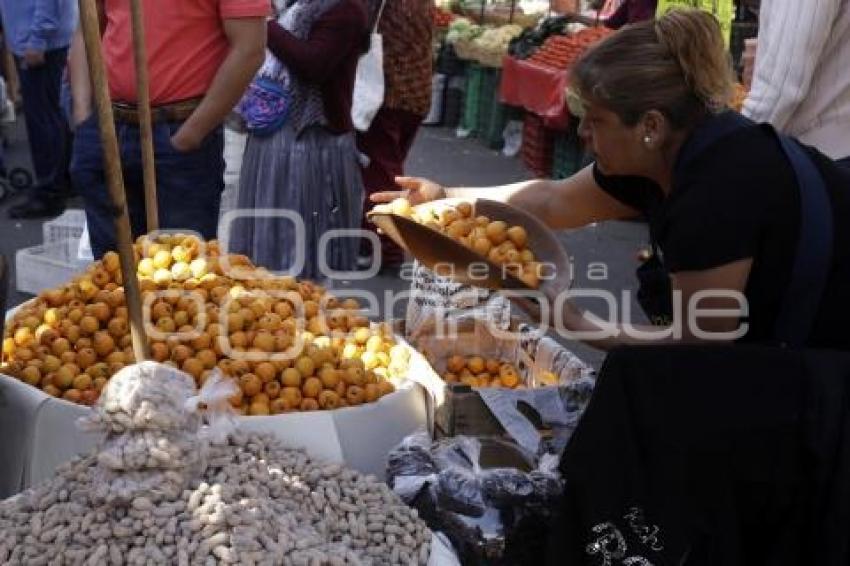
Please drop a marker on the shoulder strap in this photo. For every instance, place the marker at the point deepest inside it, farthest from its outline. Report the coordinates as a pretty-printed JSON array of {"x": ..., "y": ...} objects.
[
  {"x": 704, "y": 136},
  {"x": 379, "y": 16},
  {"x": 813, "y": 259}
]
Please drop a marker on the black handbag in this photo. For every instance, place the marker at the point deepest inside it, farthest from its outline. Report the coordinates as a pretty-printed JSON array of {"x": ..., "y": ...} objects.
[{"x": 655, "y": 292}]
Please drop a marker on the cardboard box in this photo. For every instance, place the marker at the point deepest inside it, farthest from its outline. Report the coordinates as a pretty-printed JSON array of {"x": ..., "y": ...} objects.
[{"x": 525, "y": 415}]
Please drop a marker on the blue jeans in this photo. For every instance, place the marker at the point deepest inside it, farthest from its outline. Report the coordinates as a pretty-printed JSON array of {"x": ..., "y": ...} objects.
[
  {"x": 189, "y": 185},
  {"x": 46, "y": 126}
]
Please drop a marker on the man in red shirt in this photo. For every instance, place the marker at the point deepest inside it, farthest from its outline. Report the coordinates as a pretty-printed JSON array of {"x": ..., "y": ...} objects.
[{"x": 202, "y": 54}]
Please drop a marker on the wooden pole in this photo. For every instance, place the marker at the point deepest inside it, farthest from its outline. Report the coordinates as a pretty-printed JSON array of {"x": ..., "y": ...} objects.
[
  {"x": 90, "y": 25},
  {"x": 144, "y": 108},
  {"x": 4, "y": 282}
]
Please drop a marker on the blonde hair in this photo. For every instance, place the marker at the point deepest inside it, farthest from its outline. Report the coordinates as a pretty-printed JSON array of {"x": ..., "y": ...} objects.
[{"x": 677, "y": 65}]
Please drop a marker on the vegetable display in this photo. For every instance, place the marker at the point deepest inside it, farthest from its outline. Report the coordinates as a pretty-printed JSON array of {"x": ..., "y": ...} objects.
[
  {"x": 561, "y": 51},
  {"x": 524, "y": 45},
  {"x": 462, "y": 29},
  {"x": 497, "y": 40},
  {"x": 442, "y": 18}
]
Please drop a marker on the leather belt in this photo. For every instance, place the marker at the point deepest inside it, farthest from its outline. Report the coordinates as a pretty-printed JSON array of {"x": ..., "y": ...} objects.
[{"x": 173, "y": 112}]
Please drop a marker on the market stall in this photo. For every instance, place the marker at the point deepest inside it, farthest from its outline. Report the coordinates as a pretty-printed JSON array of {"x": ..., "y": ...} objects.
[
  {"x": 514, "y": 79},
  {"x": 352, "y": 391},
  {"x": 505, "y": 81},
  {"x": 398, "y": 399},
  {"x": 228, "y": 415}
]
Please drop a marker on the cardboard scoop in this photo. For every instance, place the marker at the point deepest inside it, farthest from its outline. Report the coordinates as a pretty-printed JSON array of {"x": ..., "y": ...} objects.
[{"x": 451, "y": 259}]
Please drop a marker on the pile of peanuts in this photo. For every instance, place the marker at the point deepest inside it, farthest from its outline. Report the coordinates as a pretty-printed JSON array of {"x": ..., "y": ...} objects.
[
  {"x": 502, "y": 244},
  {"x": 252, "y": 501},
  {"x": 291, "y": 345}
]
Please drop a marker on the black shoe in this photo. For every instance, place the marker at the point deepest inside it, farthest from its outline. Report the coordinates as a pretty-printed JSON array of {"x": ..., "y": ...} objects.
[{"x": 33, "y": 209}]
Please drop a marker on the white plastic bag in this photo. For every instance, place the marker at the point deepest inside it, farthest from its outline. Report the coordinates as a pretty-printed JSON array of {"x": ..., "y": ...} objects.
[
  {"x": 436, "y": 300},
  {"x": 513, "y": 138},
  {"x": 369, "y": 84},
  {"x": 213, "y": 401},
  {"x": 84, "y": 252}
]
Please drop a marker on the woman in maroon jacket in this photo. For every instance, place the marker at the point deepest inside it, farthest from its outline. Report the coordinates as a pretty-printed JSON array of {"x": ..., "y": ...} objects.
[{"x": 309, "y": 165}]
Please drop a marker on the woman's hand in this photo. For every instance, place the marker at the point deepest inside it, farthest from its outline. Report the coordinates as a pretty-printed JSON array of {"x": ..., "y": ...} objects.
[{"x": 416, "y": 190}]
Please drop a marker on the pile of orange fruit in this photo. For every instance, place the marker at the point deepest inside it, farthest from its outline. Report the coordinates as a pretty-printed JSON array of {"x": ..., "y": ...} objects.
[
  {"x": 290, "y": 345},
  {"x": 477, "y": 371},
  {"x": 501, "y": 243}
]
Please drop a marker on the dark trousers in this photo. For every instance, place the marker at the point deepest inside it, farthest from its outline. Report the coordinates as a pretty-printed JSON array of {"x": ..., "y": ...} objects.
[
  {"x": 844, "y": 163},
  {"x": 189, "y": 185},
  {"x": 46, "y": 126},
  {"x": 386, "y": 144}
]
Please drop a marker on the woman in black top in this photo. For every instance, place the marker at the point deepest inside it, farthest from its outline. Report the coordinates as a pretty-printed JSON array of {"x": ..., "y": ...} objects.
[{"x": 725, "y": 214}]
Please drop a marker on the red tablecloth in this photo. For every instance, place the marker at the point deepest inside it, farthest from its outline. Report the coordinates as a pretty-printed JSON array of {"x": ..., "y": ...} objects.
[{"x": 538, "y": 89}]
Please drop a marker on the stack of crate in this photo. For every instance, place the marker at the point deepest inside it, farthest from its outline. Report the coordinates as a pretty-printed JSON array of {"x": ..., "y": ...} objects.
[
  {"x": 567, "y": 153},
  {"x": 493, "y": 116},
  {"x": 537, "y": 146},
  {"x": 56, "y": 261},
  {"x": 472, "y": 97}
]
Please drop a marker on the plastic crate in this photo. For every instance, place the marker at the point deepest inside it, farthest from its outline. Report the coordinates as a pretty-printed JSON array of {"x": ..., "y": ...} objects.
[
  {"x": 469, "y": 121},
  {"x": 567, "y": 154},
  {"x": 537, "y": 146},
  {"x": 67, "y": 228},
  {"x": 46, "y": 266}
]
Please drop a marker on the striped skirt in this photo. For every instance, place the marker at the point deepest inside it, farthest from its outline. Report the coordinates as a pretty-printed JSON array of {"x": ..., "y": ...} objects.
[{"x": 316, "y": 176}]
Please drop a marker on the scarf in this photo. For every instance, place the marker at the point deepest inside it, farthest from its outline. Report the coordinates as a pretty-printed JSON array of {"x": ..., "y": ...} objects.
[{"x": 307, "y": 106}]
